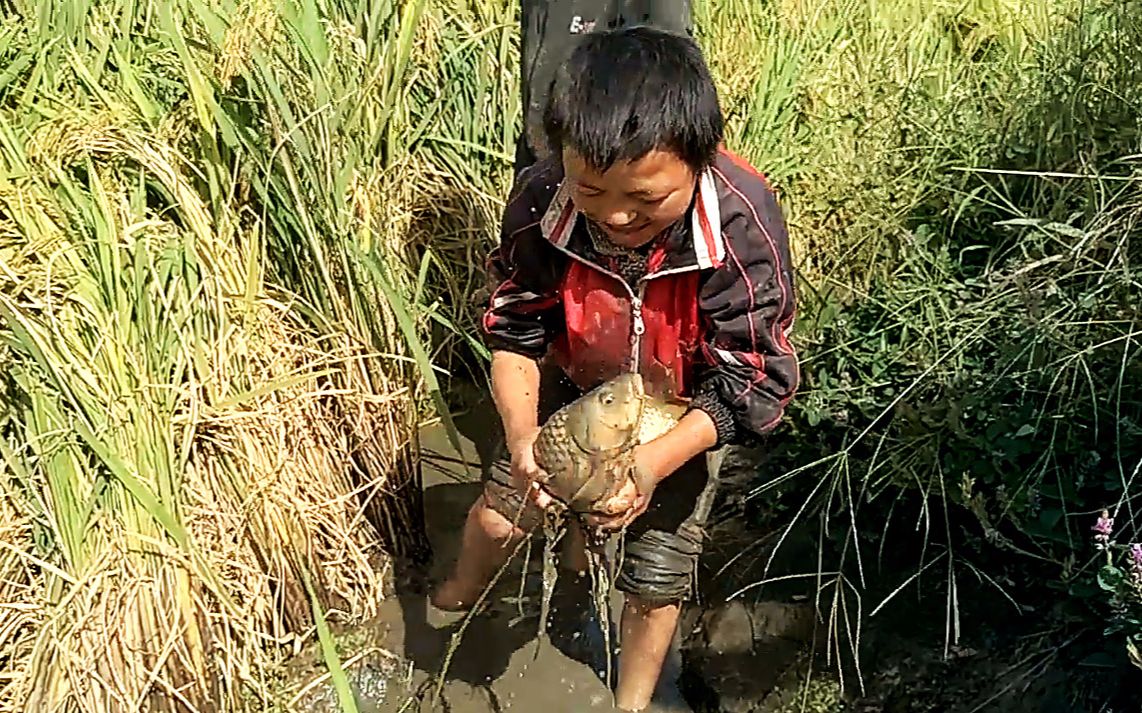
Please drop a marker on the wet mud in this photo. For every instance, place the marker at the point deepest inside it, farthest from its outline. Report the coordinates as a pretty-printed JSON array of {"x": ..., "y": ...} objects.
[
  {"x": 416, "y": 658},
  {"x": 751, "y": 654},
  {"x": 495, "y": 660}
]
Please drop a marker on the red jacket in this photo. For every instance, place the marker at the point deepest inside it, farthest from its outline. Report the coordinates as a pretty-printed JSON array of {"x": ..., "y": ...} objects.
[{"x": 709, "y": 323}]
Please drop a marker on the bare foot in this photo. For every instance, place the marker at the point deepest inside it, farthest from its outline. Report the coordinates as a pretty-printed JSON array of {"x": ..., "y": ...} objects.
[{"x": 452, "y": 597}]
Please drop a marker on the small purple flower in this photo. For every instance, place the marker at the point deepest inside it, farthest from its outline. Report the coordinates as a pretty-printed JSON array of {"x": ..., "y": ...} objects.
[
  {"x": 1105, "y": 524},
  {"x": 1136, "y": 561},
  {"x": 1102, "y": 529}
]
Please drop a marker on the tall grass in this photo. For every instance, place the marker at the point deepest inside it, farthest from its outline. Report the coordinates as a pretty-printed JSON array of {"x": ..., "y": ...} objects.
[
  {"x": 212, "y": 342},
  {"x": 963, "y": 187}
]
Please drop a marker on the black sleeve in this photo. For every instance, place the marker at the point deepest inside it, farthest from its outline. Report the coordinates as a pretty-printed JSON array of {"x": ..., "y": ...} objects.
[
  {"x": 748, "y": 371},
  {"x": 523, "y": 313}
]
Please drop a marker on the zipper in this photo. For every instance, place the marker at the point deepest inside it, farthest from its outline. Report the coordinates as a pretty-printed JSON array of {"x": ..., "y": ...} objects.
[
  {"x": 638, "y": 325},
  {"x": 636, "y": 307}
]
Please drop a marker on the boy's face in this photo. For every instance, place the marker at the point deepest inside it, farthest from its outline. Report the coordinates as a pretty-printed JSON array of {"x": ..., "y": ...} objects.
[{"x": 632, "y": 201}]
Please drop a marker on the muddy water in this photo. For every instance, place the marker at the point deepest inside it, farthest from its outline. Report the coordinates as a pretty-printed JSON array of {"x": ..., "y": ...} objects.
[
  {"x": 414, "y": 657},
  {"x": 494, "y": 660},
  {"x": 742, "y": 656}
]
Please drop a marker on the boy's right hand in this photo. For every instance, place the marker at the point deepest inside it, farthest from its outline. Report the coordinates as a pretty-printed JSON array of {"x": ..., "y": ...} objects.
[{"x": 526, "y": 473}]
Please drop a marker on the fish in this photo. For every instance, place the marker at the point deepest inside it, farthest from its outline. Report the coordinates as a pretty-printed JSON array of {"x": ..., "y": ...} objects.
[{"x": 585, "y": 448}]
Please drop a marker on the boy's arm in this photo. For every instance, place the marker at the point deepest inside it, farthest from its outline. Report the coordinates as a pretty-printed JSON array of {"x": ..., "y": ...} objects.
[
  {"x": 520, "y": 321},
  {"x": 694, "y": 434},
  {"x": 515, "y": 391},
  {"x": 748, "y": 370}
]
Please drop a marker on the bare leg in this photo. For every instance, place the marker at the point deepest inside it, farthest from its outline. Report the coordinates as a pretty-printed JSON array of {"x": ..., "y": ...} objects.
[
  {"x": 488, "y": 540},
  {"x": 647, "y": 631},
  {"x": 575, "y": 548}
]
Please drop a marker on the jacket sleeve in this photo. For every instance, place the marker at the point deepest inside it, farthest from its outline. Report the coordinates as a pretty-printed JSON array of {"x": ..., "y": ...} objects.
[
  {"x": 746, "y": 370},
  {"x": 523, "y": 313}
]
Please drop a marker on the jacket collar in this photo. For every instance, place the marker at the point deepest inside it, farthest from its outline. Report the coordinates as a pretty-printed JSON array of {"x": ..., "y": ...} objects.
[{"x": 696, "y": 243}]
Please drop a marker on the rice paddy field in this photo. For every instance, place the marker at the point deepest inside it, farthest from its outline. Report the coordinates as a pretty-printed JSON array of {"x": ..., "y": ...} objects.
[{"x": 241, "y": 254}]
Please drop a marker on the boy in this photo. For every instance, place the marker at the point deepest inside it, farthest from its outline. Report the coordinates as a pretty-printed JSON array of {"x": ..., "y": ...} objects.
[
  {"x": 639, "y": 243},
  {"x": 549, "y": 30}
]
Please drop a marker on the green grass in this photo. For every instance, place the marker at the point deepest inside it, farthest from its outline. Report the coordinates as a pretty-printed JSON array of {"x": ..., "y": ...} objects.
[{"x": 962, "y": 186}]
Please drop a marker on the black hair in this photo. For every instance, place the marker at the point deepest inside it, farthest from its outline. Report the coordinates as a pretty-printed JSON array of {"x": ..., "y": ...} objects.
[{"x": 626, "y": 92}]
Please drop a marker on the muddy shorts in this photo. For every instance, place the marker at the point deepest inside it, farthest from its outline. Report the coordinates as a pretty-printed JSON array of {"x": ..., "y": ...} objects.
[{"x": 660, "y": 549}]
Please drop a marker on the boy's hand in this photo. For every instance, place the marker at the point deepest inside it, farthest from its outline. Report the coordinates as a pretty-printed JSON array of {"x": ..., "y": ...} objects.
[
  {"x": 526, "y": 473},
  {"x": 651, "y": 463},
  {"x": 621, "y": 510},
  {"x": 632, "y": 499}
]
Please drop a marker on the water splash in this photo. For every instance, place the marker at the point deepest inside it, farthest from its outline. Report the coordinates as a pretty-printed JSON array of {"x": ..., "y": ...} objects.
[
  {"x": 598, "y": 566},
  {"x": 554, "y": 529}
]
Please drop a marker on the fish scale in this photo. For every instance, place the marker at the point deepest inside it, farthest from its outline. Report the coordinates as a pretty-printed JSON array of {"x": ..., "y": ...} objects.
[{"x": 585, "y": 446}]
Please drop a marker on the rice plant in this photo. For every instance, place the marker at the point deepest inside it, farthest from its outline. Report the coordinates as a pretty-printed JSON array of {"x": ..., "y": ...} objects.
[{"x": 207, "y": 343}]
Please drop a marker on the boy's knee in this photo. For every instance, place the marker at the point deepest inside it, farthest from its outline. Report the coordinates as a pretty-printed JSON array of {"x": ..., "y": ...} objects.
[
  {"x": 658, "y": 567},
  {"x": 491, "y": 522},
  {"x": 503, "y": 511}
]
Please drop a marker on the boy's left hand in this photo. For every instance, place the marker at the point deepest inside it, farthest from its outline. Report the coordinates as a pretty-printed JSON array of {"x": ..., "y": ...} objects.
[{"x": 631, "y": 500}]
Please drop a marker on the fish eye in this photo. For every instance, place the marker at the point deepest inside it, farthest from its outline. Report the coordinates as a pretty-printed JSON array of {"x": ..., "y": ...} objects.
[{"x": 608, "y": 398}]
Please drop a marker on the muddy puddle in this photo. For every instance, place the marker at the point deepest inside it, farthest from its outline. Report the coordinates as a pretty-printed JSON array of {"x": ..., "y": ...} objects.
[
  {"x": 415, "y": 657},
  {"x": 744, "y": 656}
]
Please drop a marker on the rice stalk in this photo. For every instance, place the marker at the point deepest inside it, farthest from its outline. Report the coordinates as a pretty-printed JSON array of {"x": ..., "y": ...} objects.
[{"x": 184, "y": 431}]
